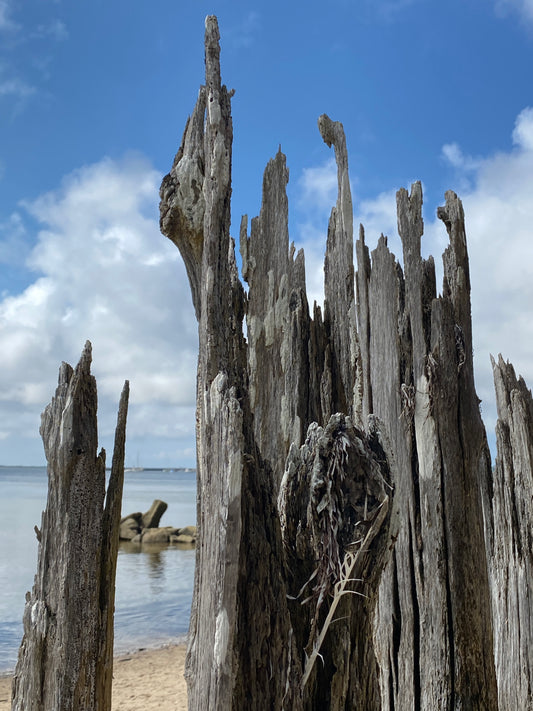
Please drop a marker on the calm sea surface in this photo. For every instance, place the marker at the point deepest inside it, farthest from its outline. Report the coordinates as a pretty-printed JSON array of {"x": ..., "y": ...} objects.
[{"x": 153, "y": 591}]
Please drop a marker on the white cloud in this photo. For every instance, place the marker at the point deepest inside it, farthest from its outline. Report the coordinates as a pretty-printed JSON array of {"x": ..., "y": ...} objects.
[
  {"x": 523, "y": 130},
  {"x": 378, "y": 216},
  {"x": 311, "y": 236},
  {"x": 13, "y": 245},
  {"x": 316, "y": 195},
  {"x": 318, "y": 187},
  {"x": 107, "y": 275},
  {"x": 499, "y": 219},
  {"x": 54, "y": 29},
  {"x": 453, "y": 154},
  {"x": 523, "y": 7}
]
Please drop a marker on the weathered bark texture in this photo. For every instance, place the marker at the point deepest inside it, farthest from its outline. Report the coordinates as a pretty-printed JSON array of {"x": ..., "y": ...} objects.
[
  {"x": 255, "y": 400},
  {"x": 510, "y": 537},
  {"x": 339, "y": 301},
  {"x": 278, "y": 324},
  {"x": 66, "y": 656},
  {"x": 297, "y": 505},
  {"x": 433, "y": 629}
]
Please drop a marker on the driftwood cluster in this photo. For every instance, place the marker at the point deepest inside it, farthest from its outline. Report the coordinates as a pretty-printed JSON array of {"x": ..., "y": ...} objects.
[
  {"x": 355, "y": 547},
  {"x": 370, "y": 559}
]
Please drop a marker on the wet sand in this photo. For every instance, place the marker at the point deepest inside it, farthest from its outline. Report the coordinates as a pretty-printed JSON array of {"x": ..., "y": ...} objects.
[{"x": 150, "y": 679}]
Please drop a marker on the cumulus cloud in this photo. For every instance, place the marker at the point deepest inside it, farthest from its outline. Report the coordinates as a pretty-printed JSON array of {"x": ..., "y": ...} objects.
[
  {"x": 523, "y": 130},
  {"x": 317, "y": 187},
  {"x": 453, "y": 154},
  {"x": 14, "y": 248},
  {"x": 104, "y": 273},
  {"x": 378, "y": 216},
  {"x": 316, "y": 194},
  {"x": 311, "y": 235},
  {"x": 499, "y": 215}
]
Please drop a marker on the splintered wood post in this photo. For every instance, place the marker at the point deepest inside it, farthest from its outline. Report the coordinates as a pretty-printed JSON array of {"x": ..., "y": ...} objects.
[
  {"x": 256, "y": 400},
  {"x": 433, "y": 632},
  {"x": 236, "y": 520},
  {"x": 510, "y": 533},
  {"x": 339, "y": 287},
  {"x": 343, "y": 466},
  {"x": 66, "y": 656}
]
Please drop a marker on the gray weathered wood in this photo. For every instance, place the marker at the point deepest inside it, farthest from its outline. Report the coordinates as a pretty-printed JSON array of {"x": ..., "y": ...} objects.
[
  {"x": 235, "y": 494},
  {"x": 433, "y": 632},
  {"x": 339, "y": 289},
  {"x": 254, "y": 400},
  {"x": 277, "y": 323},
  {"x": 66, "y": 656},
  {"x": 510, "y": 536},
  {"x": 283, "y": 458}
]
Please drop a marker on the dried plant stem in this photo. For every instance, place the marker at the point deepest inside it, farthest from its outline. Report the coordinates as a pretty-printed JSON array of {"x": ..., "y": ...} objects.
[{"x": 345, "y": 577}]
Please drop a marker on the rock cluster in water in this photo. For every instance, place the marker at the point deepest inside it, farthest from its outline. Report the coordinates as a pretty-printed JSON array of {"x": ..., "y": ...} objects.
[{"x": 144, "y": 528}]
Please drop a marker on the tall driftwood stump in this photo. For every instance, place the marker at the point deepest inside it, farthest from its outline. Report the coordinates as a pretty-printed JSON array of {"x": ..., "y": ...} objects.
[
  {"x": 252, "y": 643},
  {"x": 66, "y": 656},
  {"x": 348, "y": 515}
]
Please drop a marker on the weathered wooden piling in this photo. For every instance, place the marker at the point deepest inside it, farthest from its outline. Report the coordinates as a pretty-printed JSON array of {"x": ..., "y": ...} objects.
[{"x": 66, "y": 656}]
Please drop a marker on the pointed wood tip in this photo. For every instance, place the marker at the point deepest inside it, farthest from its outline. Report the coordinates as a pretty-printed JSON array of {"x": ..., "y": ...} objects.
[
  {"x": 212, "y": 53},
  {"x": 325, "y": 126},
  {"x": 332, "y": 132},
  {"x": 86, "y": 357},
  {"x": 126, "y": 389},
  {"x": 211, "y": 26}
]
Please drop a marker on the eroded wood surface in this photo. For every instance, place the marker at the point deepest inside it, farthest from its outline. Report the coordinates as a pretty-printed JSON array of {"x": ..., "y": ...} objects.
[
  {"x": 306, "y": 427},
  {"x": 66, "y": 656}
]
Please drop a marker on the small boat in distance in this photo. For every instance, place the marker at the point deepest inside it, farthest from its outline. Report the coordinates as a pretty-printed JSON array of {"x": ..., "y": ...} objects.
[{"x": 136, "y": 468}]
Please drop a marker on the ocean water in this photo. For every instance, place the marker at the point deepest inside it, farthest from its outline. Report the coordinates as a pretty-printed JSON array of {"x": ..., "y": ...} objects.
[{"x": 153, "y": 589}]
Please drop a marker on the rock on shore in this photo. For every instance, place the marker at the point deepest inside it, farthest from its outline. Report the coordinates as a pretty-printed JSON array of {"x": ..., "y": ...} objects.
[{"x": 144, "y": 528}]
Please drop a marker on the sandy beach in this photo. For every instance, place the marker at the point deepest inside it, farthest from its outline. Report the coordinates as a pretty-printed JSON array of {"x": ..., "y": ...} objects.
[{"x": 150, "y": 679}]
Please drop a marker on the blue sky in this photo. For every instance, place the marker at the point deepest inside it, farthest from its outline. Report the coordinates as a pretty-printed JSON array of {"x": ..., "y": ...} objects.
[{"x": 93, "y": 101}]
